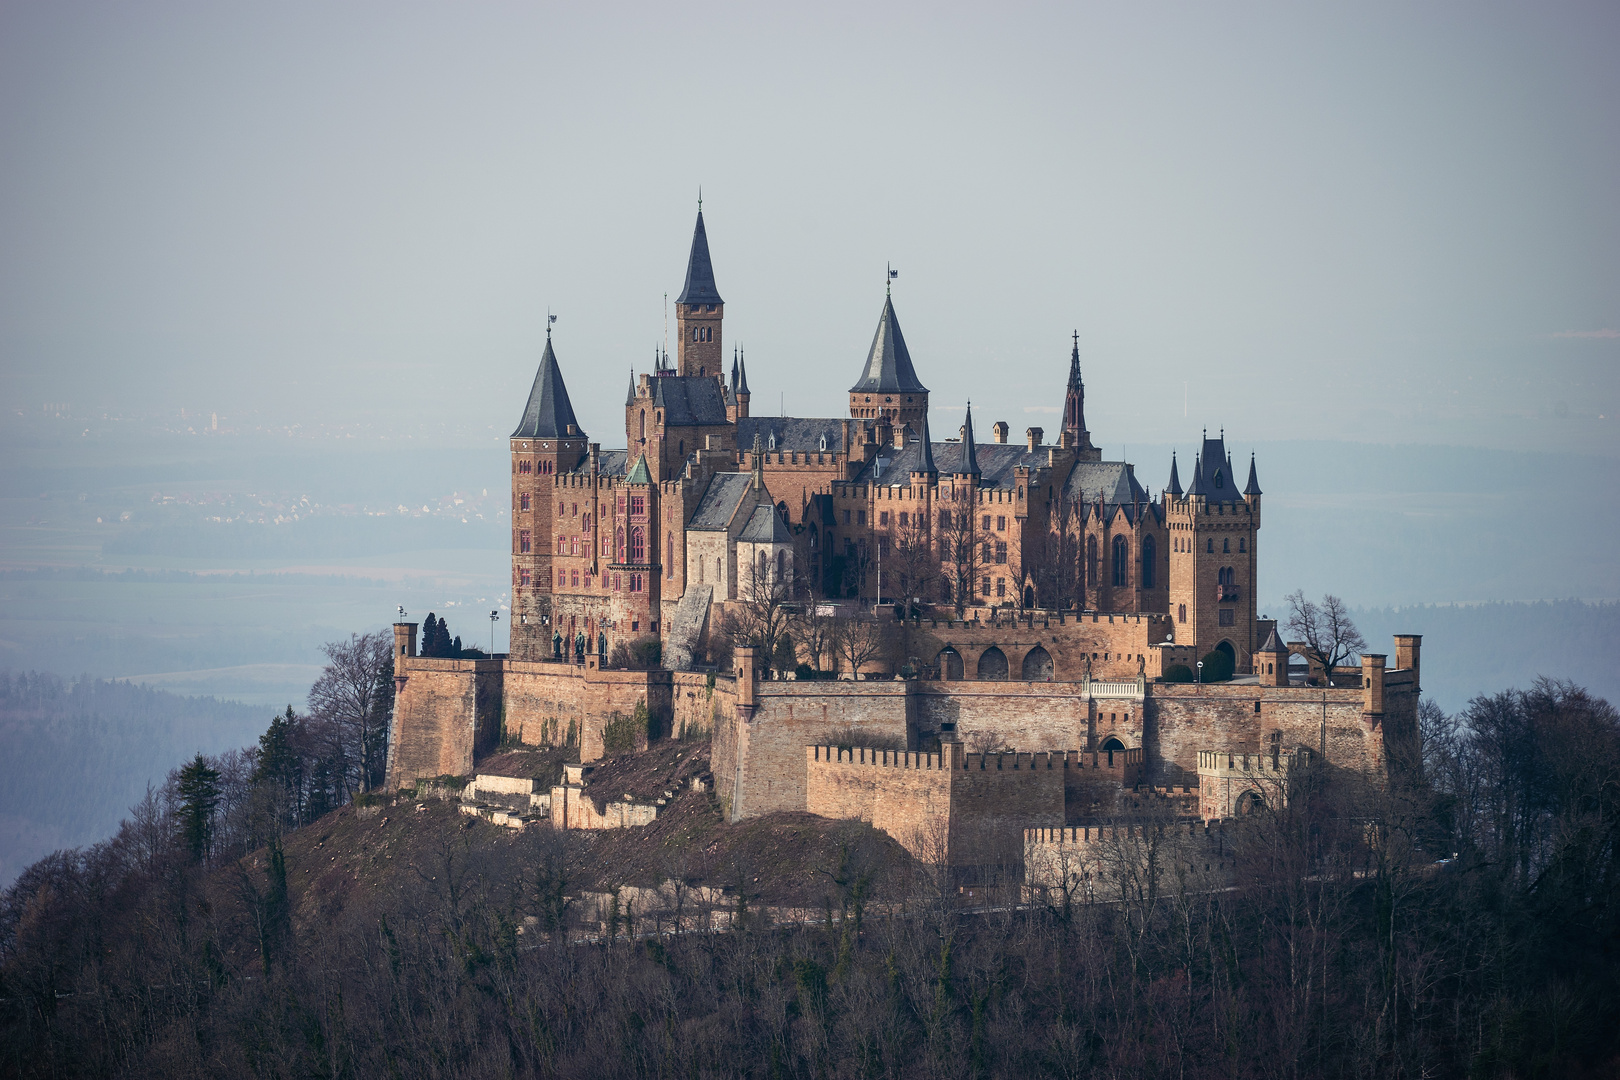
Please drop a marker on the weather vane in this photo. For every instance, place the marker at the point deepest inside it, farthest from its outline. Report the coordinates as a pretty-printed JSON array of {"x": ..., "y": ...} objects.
[
  {"x": 892, "y": 273},
  {"x": 550, "y": 318}
]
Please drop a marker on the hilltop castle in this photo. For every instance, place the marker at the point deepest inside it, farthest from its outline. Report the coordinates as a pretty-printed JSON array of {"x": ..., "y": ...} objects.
[{"x": 1044, "y": 591}]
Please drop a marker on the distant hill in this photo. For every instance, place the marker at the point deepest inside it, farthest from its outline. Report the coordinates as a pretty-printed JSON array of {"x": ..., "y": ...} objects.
[{"x": 75, "y": 754}]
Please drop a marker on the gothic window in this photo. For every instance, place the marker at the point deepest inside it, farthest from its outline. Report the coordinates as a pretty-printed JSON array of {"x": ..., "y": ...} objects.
[
  {"x": 1209, "y": 546},
  {"x": 523, "y": 501},
  {"x": 638, "y": 546},
  {"x": 638, "y": 504},
  {"x": 1243, "y": 545},
  {"x": 1121, "y": 564},
  {"x": 523, "y": 541},
  {"x": 643, "y": 424},
  {"x": 1091, "y": 562},
  {"x": 1226, "y": 576},
  {"x": 781, "y": 565},
  {"x": 944, "y": 590},
  {"x": 619, "y": 534},
  {"x": 719, "y": 571},
  {"x": 1226, "y": 547},
  {"x": 523, "y": 576},
  {"x": 1150, "y": 552},
  {"x": 823, "y": 443},
  {"x": 1181, "y": 613}
]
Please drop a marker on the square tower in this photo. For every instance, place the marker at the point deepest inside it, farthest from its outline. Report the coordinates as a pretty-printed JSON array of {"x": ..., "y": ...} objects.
[{"x": 1212, "y": 530}]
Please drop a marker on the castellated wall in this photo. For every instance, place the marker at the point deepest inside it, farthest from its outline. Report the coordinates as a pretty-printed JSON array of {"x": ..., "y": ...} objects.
[
  {"x": 1116, "y": 862},
  {"x": 758, "y": 759}
]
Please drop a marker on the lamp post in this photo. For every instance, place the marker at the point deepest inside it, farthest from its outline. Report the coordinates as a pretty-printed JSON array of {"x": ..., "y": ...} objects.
[
  {"x": 494, "y": 616},
  {"x": 1200, "y": 671}
]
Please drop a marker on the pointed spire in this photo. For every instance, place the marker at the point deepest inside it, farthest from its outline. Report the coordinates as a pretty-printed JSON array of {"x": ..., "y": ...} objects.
[
  {"x": 888, "y": 363},
  {"x": 742, "y": 372},
  {"x": 759, "y": 461},
  {"x": 1253, "y": 486},
  {"x": 734, "y": 369},
  {"x": 549, "y": 414},
  {"x": 630, "y": 398},
  {"x": 1074, "y": 402},
  {"x": 1175, "y": 478},
  {"x": 970, "y": 456},
  {"x": 639, "y": 473},
  {"x": 1198, "y": 487},
  {"x": 926, "y": 465},
  {"x": 700, "y": 287}
]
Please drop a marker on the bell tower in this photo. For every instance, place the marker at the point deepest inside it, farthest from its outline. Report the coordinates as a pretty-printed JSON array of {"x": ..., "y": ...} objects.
[{"x": 699, "y": 312}]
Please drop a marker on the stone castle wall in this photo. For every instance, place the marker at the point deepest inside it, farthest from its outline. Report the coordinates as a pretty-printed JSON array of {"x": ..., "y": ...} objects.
[{"x": 446, "y": 712}]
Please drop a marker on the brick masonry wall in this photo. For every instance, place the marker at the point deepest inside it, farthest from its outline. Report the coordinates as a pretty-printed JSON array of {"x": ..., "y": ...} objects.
[
  {"x": 543, "y": 698},
  {"x": 1070, "y": 640},
  {"x": 698, "y": 708},
  {"x": 995, "y": 797},
  {"x": 1101, "y": 862},
  {"x": 906, "y": 794}
]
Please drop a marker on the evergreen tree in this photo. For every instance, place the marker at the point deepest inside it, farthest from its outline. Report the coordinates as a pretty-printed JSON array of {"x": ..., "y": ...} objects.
[
  {"x": 430, "y": 635},
  {"x": 199, "y": 793},
  {"x": 280, "y": 768},
  {"x": 454, "y": 652}
]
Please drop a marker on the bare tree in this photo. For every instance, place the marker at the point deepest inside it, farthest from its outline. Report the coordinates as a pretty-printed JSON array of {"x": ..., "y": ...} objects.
[
  {"x": 354, "y": 699},
  {"x": 760, "y": 616},
  {"x": 913, "y": 559},
  {"x": 962, "y": 555},
  {"x": 859, "y": 640},
  {"x": 1330, "y": 637},
  {"x": 1055, "y": 564}
]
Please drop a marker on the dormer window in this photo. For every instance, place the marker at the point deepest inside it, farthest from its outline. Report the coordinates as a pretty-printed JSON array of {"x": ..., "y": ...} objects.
[
  {"x": 1220, "y": 479},
  {"x": 772, "y": 445},
  {"x": 824, "y": 442}
]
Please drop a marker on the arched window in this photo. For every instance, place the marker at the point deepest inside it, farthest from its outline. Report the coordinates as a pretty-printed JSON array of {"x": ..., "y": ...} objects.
[
  {"x": 781, "y": 566},
  {"x": 1121, "y": 568},
  {"x": 1091, "y": 562},
  {"x": 619, "y": 537},
  {"x": 1037, "y": 665},
  {"x": 638, "y": 546},
  {"x": 700, "y": 572},
  {"x": 1226, "y": 547},
  {"x": 669, "y": 549},
  {"x": 643, "y": 423},
  {"x": 719, "y": 571},
  {"x": 993, "y": 664},
  {"x": 1150, "y": 552},
  {"x": 1209, "y": 546}
]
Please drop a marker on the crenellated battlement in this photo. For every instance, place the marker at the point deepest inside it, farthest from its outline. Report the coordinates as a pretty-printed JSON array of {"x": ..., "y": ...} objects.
[
  {"x": 953, "y": 757},
  {"x": 1220, "y": 763}
]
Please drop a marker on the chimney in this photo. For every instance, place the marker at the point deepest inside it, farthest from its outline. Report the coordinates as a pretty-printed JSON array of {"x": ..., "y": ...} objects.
[
  {"x": 1408, "y": 651},
  {"x": 999, "y": 429},
  {"x": 1034, "y": 436}
]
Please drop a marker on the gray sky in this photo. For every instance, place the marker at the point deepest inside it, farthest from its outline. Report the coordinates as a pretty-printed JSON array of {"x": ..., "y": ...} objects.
[{"x": 1395, "y": 223}]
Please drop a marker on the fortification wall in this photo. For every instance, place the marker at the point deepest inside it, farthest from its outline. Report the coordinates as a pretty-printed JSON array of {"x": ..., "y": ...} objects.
[
  {"x": 758, "y": 759},
  {"x": 1184, "y": 718},
  {"x": 445, "y": 713},
  {"x": 1022, "y": 715},
  {"x": 700, "y": 707},
  {"x": 545, "y": 701},
  {"x": 906, "y": 794},
  {"x": 1112, "y": 643},
  {"x": 1110, "y": 862},
  {"x": 995, "y": 797}
]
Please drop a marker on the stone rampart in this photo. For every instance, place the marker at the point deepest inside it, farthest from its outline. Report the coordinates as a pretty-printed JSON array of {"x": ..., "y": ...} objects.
[
  {"x": 1111, "y": 863},
  {"x": 446, "y": 712},
  {"x": 1237, "y": 784}
]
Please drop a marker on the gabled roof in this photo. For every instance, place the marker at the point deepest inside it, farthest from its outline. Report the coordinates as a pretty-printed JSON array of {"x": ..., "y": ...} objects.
[
  {"x": 699, "y": 271},
  {"x": 888, "y": 363},
  {"x": 549, "y": 414},
  {"x": 765, "y": 527},
  {"x": 1175, "y": 478},
  {"x": 800, "y": 433},
  {"x": 718, "y": 506},
  {"x": 689, "y": 400},
  {"x": 1253, "y": 486},
  {"x": 639, "y": 474}
]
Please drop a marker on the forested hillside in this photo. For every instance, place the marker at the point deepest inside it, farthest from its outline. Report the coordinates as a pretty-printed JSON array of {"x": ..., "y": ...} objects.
[{"x": 76, "y": 754}]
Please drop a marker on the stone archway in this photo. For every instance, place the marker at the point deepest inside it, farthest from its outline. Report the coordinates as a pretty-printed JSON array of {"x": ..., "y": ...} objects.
[
  {"x": 1029, "y": 596},
  {"x": 949, "y": 662},
  {"x": 1231, "y": 653},
  {"x": 992, "y": 664},
  {"x": 1112, "y": 746},
  {"x": 1038, "y": 665},
  {"x": 1250, "y": 802}
]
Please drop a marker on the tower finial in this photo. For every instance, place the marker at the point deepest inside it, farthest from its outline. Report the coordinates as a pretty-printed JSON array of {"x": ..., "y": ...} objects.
[
  {"x": 889, "y": 274},
  {"x": 700, "y": 198},
  {"x": 550, "y": 318}
]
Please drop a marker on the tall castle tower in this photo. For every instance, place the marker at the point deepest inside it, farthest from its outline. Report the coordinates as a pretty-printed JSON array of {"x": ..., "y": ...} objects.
[
  {"x": 888, "y": 387},
  {"x": 699, "y": 312},
  {"x": 548, "y": 442},
  {"x": 1213, "y": 529}
]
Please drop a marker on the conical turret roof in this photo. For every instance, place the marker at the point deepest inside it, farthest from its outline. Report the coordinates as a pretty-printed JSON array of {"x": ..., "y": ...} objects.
[
  {"x": 888, "y": 364},
  {"x": 926, "y": 464},
  {"x": 970, "y": 456},
  {"x": 1175, "y": 478},
  {"x": 699, "y": 271},
  {"x": 1253, "y": 486},
  {"x": 549, "y": 414}
]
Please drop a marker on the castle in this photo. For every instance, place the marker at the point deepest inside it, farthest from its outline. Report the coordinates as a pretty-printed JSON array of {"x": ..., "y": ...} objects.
[{"x": 1043, "y": 594}]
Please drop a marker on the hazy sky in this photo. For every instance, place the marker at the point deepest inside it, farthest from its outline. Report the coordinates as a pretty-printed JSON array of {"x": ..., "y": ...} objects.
[{"x": 1397, "y": 223}]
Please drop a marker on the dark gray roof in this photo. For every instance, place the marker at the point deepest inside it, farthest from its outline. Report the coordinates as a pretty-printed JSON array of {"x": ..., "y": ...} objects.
[
  {"x": 996, "y": 462},
  {"x": 1271, "y": 645},
  {"x": 719, "y": 503},
  {"x": 699, "y": 271},
  {"x": 1115, "y": 481},
  {"x": 1212, "y": 474},
  {"x": 689, "y": 400},
  {"x": 968, "y": 460},
  {"x": 1253, "y": 486},
  {"x": 608, "y": 463},
  {"x": 888, "y": 364},
  {"x": 549, "y": 414},
  {"x": 765, "y": 527},
  {"x": 925, "y": 451},
  {"x": 801, "y": 433}
]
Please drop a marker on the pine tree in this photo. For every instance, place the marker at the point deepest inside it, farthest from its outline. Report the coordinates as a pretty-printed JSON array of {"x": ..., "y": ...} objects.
[
  {"x": 199, "y": 797},
  {"x": 430, "y": 635},
  {"x": 279, "y": 766}
]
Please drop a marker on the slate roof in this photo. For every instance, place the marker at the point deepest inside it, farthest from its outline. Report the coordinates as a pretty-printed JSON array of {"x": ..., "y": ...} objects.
[
  {"x": 1272, "y": 645},
  {"x": 968, "y": 460},
  {"x": 1213, "y": 474},
  {"x": 765, "y": 527},
  {"x": 719, "y": 503},
  {"x": 888, "y": 363},
  {"x": 1115, "y": 481},
  {"x": 639, "y": 473},
  {"x": 1253, "y": 486},
  {"x": 1175, "y": 477},
  {"x": 996, "y": 462},
  {"x": 689, "y": 400},
  {"x": 801, "y": 433},
  {"x": 699, "y": 271},
  {"x": 608, "y": 463},
  {"x": 548, "y": 414}
]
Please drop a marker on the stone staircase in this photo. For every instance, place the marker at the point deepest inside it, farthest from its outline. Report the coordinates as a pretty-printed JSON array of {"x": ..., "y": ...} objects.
[{"x": 686, "y": 627}]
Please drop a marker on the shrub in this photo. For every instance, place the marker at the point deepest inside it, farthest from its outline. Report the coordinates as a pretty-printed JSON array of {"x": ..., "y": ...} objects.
[
  {"x": 1178, "y": 673},
  {"x": 1217, "y": 666},
  {"x": 623, "y": 734}
]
